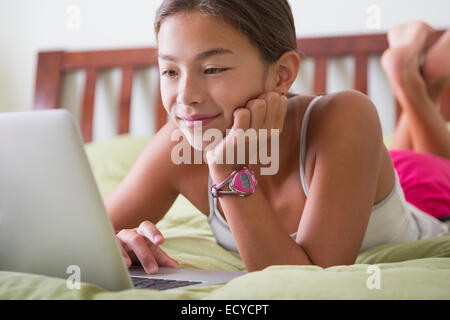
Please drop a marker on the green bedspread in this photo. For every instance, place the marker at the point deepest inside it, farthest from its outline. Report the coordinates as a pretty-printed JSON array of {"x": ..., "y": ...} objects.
[{"x": 414, "y": 270}]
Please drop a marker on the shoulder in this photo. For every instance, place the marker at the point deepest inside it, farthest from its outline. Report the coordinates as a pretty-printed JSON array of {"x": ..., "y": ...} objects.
[
  {"x": 342, "y": 105},
  {"x": 333, "y": 113},
  {"x": 345, "y": 116}
]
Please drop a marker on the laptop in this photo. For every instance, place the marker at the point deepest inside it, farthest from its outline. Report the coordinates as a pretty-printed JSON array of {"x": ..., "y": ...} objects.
[{"x": 52, "y": 216}]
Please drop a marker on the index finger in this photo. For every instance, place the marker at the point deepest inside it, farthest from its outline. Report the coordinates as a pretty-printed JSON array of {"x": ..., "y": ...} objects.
[
  {"x": 142, "y": 250},
  {"x": 151, "y": 232},
  {"x": 124, "y": 253}
]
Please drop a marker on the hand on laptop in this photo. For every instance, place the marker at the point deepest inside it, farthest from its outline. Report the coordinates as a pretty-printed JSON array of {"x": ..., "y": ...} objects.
[{"x": 141, "y": 245}]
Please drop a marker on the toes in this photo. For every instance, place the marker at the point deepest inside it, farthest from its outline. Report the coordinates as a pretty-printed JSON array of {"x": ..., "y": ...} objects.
[{"x": 410, "y": 34}]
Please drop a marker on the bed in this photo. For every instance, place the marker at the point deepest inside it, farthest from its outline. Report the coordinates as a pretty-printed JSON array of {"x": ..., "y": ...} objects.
[{"x": 412, "y": 270}]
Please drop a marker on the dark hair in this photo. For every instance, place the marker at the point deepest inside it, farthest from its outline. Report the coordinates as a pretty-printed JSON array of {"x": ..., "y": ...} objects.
[{"x": 269, "y": 24}]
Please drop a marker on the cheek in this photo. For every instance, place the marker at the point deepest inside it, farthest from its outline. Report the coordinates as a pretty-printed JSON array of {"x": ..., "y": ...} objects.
[
  {"x": 168, "y": 101},
  {"x": 244, "y": 87}
]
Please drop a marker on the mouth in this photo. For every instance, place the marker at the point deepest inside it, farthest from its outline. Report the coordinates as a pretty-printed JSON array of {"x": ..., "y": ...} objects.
[{"x": 198, "y": 120}]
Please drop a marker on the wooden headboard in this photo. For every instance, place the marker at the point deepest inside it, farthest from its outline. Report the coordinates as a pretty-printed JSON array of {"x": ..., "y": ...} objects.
[{"x": 53, "y": 64}]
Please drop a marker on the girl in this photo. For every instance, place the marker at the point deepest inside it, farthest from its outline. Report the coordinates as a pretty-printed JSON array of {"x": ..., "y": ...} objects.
[{"x": 229, "y": 64}]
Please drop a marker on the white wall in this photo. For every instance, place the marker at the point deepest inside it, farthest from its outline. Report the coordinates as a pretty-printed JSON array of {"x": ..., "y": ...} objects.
[{"x": 27, "y": 26}]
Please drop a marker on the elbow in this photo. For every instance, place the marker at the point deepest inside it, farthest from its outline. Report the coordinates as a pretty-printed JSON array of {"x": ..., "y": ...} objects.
[
  {"x": 329, "y": 260},
  {"x": 296, "y": 257}
]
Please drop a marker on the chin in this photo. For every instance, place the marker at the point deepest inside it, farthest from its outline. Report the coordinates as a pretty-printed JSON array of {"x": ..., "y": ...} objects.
[{"x": 197, "y": 139}]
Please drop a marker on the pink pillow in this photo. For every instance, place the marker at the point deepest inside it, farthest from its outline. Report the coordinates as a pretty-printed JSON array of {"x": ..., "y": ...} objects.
[{"x": 425, "y": 180}]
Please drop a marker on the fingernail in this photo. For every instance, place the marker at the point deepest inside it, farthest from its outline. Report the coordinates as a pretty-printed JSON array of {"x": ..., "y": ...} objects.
[
  {"x": 153, "y": 268},
  {"x": 157, "y": 238}
]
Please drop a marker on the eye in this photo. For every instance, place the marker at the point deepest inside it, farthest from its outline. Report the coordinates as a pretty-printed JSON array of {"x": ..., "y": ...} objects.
[
  {"x": 166, "y": 72},
  {"x": 216, "y": 69}
]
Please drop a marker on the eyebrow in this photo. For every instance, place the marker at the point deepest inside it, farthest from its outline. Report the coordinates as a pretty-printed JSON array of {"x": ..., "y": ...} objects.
[{"x": 200, "y": 56}]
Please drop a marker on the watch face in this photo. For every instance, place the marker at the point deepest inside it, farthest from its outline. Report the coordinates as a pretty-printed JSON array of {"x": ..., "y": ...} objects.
[{"x": 245, "y": 180}]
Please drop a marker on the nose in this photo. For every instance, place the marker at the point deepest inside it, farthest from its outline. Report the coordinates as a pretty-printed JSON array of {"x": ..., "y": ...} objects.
[{"x": 189, "y": 91}]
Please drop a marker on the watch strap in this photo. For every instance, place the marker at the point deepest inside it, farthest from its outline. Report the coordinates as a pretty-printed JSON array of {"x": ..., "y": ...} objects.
[{"x": 230, "y": 179}]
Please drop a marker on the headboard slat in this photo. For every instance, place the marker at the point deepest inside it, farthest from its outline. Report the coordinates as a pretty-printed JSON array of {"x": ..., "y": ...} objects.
[
  {"x": 125, "y": 100},
  {"x": 445, "y": 105},
  {"x": 398, "y": 111},
  {"x": 160, "y": 111},
  {"x": 48, "y": 80},
  {"x": 320, "y": 74},
  {"x": 361, "y": 65},
  {"x": 87, "y": 111}
]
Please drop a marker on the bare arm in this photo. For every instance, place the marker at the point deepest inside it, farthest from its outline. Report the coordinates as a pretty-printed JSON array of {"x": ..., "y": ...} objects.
[
  {"x": 148, "y": 191},
  {"x": 344, "y": 182}
]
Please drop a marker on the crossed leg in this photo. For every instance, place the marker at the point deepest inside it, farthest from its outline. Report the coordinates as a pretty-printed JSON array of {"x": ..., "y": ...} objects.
[{"x": 421, "y": 127}]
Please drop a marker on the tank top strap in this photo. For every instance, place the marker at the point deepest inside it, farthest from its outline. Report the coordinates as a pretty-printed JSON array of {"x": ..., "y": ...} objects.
[
  {"x": 212, "y": 207},
  {"x": 304, "y": 129}
]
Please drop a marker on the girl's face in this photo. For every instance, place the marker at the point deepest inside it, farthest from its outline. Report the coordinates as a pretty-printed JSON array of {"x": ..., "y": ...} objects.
[{"x": 207, "y": 69}]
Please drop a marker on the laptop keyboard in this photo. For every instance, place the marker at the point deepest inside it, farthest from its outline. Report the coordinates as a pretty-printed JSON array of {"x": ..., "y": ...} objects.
[{"x": 160, "y": 284}]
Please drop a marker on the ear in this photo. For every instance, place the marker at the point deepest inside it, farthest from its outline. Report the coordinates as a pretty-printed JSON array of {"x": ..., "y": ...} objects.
[{"x": 286, "y": 71}]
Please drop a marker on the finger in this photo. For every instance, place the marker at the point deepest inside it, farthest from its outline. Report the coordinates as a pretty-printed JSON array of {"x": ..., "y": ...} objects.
[
  {"x": 240, "y": 125},
  {"x": 163, "y": 259},
  {"x": 282, "y": 113},
  {"x": 138, "y": 244},
  {"x": 241, "y": 122},
  {"x": 126, "y": 257},
  {"x": 257, "y": 109},
  {"x": 129, "y": 252},
  {"x": 273, "y": 104},
  {"x": 241, "y": 119},
  {"x": 149, "y": 230}
]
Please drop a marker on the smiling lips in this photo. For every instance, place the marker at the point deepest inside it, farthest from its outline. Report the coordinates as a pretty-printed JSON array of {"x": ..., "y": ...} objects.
[{"x": 191, "y": 121}]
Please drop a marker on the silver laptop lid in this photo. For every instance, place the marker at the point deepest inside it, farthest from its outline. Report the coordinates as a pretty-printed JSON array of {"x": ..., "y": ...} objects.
[{"x": 52, "y": 214}]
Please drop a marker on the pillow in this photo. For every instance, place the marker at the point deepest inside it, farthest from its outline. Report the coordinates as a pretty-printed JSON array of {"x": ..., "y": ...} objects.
[
  {"x": 425, "y": 180},
  {"x": 112, "y": 160},
  {"x": 404, "y": 251},
  {"x": 387, "y": 139}
]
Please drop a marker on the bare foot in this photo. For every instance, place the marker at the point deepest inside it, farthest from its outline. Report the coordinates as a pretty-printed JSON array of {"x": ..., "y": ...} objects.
[
  {"x": 413, "y": 34},
  {"x": 436, "y": 67},
  {"x": 401, "y": 62}
]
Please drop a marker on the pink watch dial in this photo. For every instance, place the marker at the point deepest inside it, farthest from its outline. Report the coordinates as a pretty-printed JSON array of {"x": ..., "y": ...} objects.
[{"x": 244, "y": 181}]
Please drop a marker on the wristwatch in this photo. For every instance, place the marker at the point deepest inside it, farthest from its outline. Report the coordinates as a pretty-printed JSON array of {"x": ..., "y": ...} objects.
[{"x": 242, "y": 183}]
